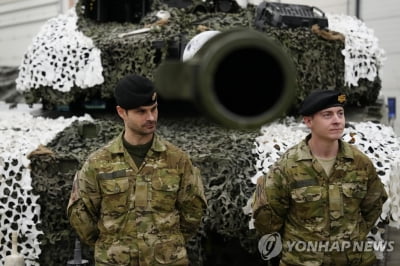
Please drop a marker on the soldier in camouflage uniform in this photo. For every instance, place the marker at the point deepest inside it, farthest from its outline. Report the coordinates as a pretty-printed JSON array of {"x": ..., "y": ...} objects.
[
  {"x": 138, "y": 199},
  {"x": 322, "y": 192}
]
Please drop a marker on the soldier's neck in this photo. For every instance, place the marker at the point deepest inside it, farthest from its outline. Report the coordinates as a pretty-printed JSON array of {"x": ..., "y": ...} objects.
[
  {"x": 136, "y": 139},
  {"x": 323, "y": 149}
]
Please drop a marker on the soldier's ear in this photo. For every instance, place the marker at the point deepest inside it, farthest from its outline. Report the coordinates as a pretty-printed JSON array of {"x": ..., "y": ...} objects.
[
  {"x": 307, "y": 120},
  {"x": 121, "y": 111}
]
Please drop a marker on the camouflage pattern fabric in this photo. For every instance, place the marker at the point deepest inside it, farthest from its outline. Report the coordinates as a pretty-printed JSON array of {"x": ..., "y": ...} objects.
[
  {"x": 137, "y": 216},
  {"x": 297, "y": 199}
]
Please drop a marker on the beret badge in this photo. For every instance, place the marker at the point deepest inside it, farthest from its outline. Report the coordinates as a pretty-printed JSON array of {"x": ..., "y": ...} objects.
[{"x": 341, "y": 98}]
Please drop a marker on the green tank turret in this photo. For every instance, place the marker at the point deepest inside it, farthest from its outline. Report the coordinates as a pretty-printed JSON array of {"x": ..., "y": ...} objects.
[{"x": 246, "y": 76}]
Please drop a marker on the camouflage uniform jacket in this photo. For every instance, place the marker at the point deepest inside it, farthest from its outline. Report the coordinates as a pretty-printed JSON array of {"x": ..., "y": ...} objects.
[
  {"x": 137, "y": 216},
  {"x": 297, "y": 199}
]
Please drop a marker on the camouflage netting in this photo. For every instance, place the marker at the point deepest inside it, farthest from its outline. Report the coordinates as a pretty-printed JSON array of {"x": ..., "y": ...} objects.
[
  {"x": 20, "y": 210},
  {"x": 61, "y": 57},
  {"x": 319, "y": 62},
  {"x": 52, "y": 175},
  {"x": 226, "y": 163},
  {"x": 363, "y": 57}
]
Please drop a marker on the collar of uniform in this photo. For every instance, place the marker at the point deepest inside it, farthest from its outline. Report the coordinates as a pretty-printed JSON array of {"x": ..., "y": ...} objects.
[
  {"x": 117, "y": 146},
  {"x": 304, "y": 152},
  {"x": 158, "y": 144},
  {"x": 345, "y": 150}
]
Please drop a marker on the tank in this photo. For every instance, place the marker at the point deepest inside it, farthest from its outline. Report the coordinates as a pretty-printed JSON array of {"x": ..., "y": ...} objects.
[
  {"x": 247, "y": 75},
  {"x": 221, "y": 72}
]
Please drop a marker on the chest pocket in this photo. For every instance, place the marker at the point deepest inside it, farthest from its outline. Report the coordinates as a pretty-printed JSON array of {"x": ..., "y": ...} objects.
[
  {"x": 115, "y": 195},
  {"x": 354, "y": 190},
  {"x": 353, "y": 195},
  {"x": 306, "y": 194},
  {"x": 165, "y": 186},
  {"x": 307, "y": 202}
]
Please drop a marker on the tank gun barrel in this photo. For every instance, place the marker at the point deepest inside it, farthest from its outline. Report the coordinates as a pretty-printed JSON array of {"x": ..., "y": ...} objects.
[{"x": 240, "y": 78}]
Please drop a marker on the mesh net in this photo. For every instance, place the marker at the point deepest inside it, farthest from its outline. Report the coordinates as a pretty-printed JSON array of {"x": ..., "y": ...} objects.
[
  {"x": 60, "y": 57},
  {"x": 21, "y": 133},
  {"x": 362, "y": 56}
]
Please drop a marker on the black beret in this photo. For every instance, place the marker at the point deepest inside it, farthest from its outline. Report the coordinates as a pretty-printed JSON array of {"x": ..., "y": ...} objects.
[
  {"x": 133, "y": 91},
  {"x": 321, "y": 99}
]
